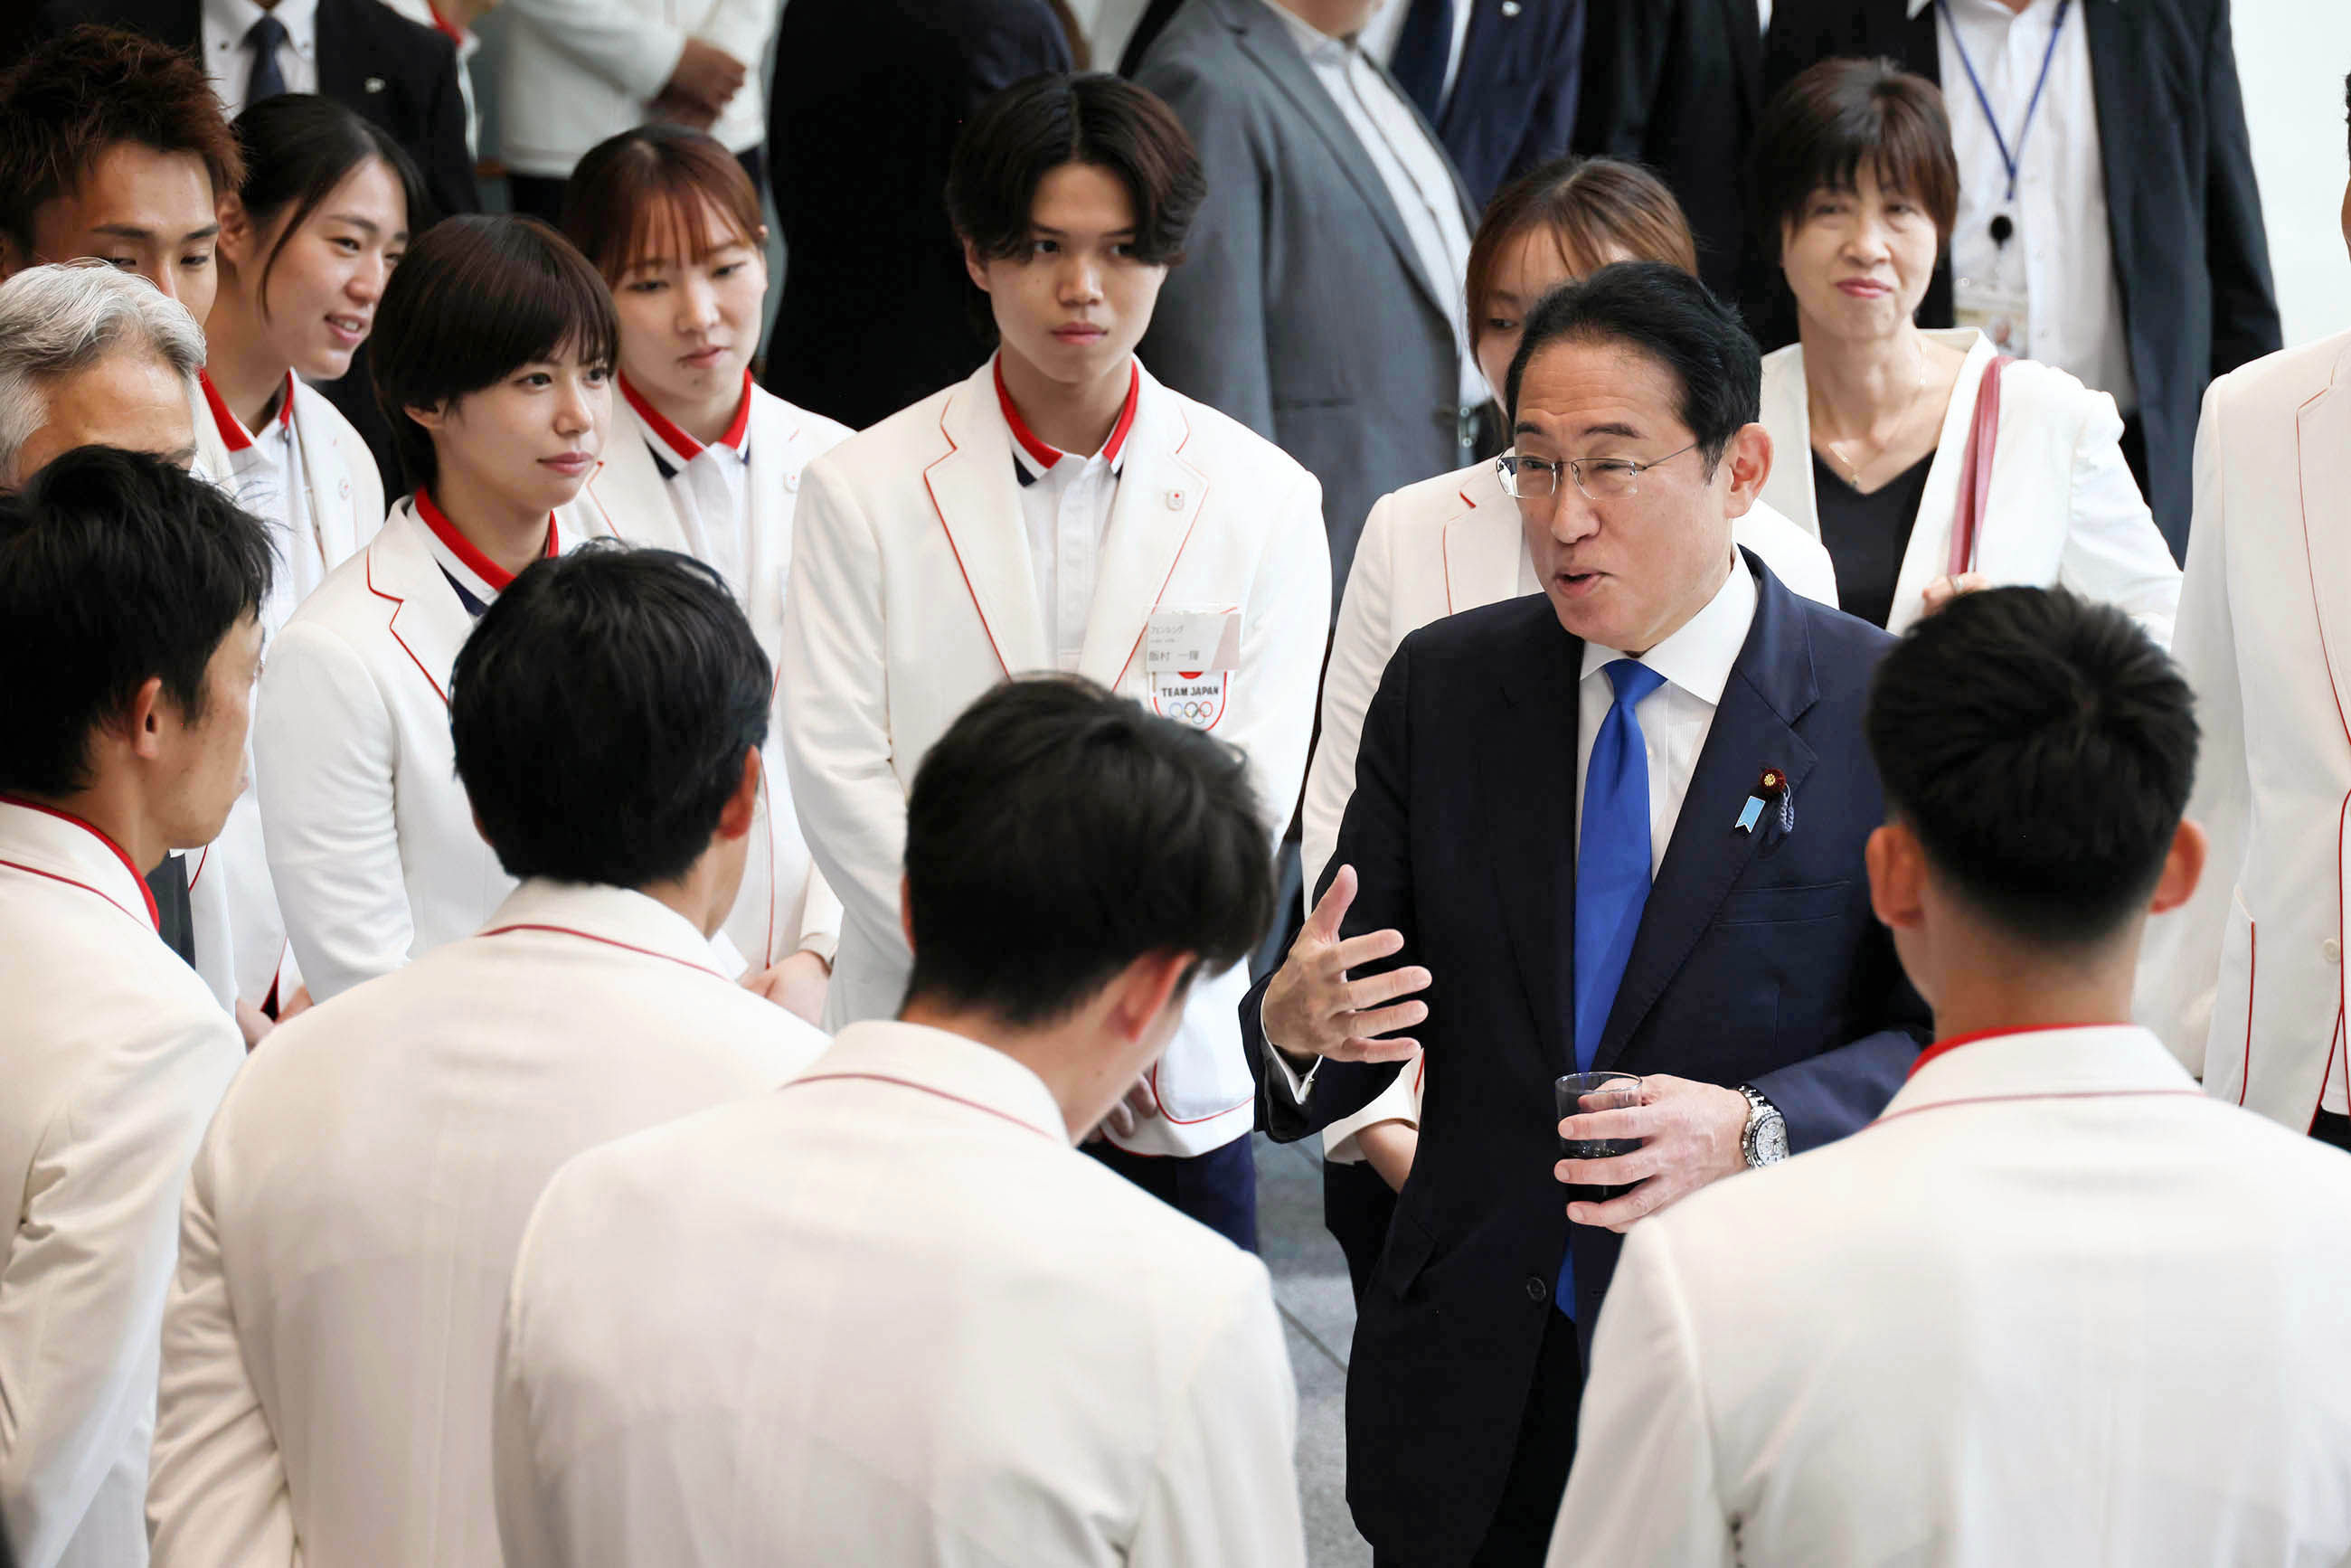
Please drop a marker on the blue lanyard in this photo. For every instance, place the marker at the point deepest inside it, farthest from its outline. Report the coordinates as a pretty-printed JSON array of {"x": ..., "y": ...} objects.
[{"x": 2014, "y": 161}]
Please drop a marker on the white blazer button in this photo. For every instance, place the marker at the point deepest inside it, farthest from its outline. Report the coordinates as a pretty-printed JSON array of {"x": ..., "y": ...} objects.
[
  {"x": 2333, "y": 949},
  {"x": 1175, "y": 500}
]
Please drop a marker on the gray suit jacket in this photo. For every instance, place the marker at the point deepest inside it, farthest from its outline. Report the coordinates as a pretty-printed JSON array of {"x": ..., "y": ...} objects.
[{"x": 1301, "y": 308}]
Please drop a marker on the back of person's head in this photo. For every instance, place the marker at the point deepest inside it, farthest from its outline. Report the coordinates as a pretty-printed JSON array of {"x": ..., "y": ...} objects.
[
  {"x": 1590, "y": 212},
  {"x": 1664, "y": 312},
  {"x": 602, "y": 710},
  {"x": 476, "y": 298},
  {"x": 298, "y": 149},
  {"x": 71, "y": 97},
  {"x": 645, "y": 192},
  {"x": 1034, "y": 127},
  {"x": 59, "y": 320},
  {"x": 1056, "y": 833},
  {"x": 2041, "y": 749},
  {"x": 116, "y": 568},
  {"x": 1819, "y": 130}
]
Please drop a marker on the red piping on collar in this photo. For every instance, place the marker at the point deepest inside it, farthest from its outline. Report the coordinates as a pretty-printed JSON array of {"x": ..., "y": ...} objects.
[
  {"x": 807, "y": 1078},
  {"x": 1045, "y": 457},
  {"x": 674, "y": 437},
  {"x": 1942, "y": 1047},
  {"x": 232, "y": 429},
  {"x": 154, "y": 915},
  {"x": 607, "y": 941},
  {"x": 465, "y": 550}
]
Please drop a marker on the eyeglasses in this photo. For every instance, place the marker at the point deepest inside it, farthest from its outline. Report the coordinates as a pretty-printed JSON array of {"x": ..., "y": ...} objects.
[{"x": 1600, "y": 478}]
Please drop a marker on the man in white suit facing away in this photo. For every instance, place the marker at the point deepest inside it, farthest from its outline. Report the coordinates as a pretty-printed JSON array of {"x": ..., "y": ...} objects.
[
  {"x": 887, "y": 1315},
  {"x": 2245, "y": 983},
  {"x": 2054, "y": 1306},
  {"x": 129, "y": 636},
  {"x": 352, "y": 1216},
  {"x": 1060, "y": 509}
]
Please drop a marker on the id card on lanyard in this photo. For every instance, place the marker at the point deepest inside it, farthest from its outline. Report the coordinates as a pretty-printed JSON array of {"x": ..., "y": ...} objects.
[{"x": 2000, "y": 305}]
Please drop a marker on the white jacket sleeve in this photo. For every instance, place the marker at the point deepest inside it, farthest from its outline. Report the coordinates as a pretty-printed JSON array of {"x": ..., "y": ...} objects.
[
  {"x": 2114, "y": 552},
  {"x": 217, "y": 1493},
  {"x": 623, "y": 43},
  {"x": 2180, "y": 958},
  {"x": 324, "y": 753},
  {"x": 1225, "y": 1490},
  {"x": 1359, "y": 648},
  {"x": 836, "y": 746},
  {"x": 81, "y": 1293},
  {"x": 1645, "y": 1488},
  {"x": 1281, "y": 652}
]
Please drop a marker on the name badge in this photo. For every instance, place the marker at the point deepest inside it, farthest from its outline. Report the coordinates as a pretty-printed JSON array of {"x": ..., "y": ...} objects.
[
  {"x": 1194, "y": 641},
  {"x": 2003, "y": 315}
]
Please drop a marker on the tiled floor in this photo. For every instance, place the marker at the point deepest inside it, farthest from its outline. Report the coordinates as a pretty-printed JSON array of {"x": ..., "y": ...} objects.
[{"x": 1310, "y": 1285}]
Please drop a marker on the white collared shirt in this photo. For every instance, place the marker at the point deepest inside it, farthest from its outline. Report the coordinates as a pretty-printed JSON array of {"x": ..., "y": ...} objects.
[
  {"x": 1411, "y": 166},
  {"x": 1378, "y": 38},
  {"x": 266, "y": 477},
  {"x": 229, "y": 62},
  {"x": 1676, "y": 717},
  {"x": 708, "y": 485},
  {"x": 2060, "y": 256},
  {"x": 1065, "y": 504}
]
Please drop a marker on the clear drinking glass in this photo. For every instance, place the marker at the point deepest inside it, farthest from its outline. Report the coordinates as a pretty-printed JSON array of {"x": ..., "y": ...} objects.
[{"x": 1576, "y": 1093}]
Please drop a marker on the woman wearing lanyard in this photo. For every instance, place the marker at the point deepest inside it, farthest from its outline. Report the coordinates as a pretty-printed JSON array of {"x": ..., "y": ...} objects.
[
  {"x": 702, "y": 460},
  {"x": 307, "y": 242},
  {"x": 493, "y": 352},
  {"x": 1926, "y": 462},
  {"x": 1455, "y": 542}
]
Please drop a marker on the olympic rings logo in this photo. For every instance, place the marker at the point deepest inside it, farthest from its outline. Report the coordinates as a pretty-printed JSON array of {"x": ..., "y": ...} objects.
[{"x": 1192, "y": 710}]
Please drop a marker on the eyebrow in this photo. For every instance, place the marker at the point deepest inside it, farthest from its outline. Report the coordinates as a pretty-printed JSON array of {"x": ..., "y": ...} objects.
[
  {"x": 132, "y": 231},
  {"x": 358, "y": 222},
  {"x": 1062, "y": 234},
  {"x": 1610, "y": 427}
]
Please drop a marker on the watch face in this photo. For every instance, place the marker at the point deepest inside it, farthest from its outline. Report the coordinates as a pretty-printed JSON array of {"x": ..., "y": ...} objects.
[{"x": 1769, "y": 1142}]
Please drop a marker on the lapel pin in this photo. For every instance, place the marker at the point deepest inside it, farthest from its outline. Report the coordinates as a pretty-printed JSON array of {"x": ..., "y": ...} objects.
[
  {"x": 1510, "y": 8},
  {"x": 1770, "y": 789},
  {"x": 1175, "y": 500},
  {"x": 373, "y": 84}
]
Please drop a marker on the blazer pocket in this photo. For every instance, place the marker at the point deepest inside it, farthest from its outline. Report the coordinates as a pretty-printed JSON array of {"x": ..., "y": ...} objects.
[
  {"x": 1784, "y": 906},
  {"x": 1409, "y": 1246}
]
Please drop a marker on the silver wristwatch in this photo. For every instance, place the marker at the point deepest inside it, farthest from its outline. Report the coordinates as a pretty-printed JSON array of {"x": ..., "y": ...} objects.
[{"x": 1765, "y": 1141}]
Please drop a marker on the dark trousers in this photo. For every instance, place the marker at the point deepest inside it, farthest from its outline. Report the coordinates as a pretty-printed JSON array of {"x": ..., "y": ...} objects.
[
  {"x": 1356, "y": 1209},
  {"x": 2329, "y": 1128},
  {"x": 1217, "y": 1188},
  {"x": 1519, "y": 1535},
  {"x": 541, "y": 196}
]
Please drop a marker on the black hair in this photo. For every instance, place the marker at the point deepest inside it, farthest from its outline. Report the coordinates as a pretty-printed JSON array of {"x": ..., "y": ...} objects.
[
  {"x": 1670, "y": 317},
  {"x": 298, "y": 148},
  {"x": 476, "y": 298},
  {"x": 1819, "y": 129},
  {"x": 2042, "y": 748},
  {"x": 116, "y": 568},
  {"x": 602, "y": 710},
  {"x": 1034, "y": 127},
  {"x": 1056, "y": 833}
]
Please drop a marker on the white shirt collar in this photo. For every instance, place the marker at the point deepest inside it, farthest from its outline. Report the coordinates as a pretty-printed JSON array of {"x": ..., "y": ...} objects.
[
  {"x": 299, "y": 18},
  {"x": 1698, "y": 657},
  {"x": 1919, "y": 5},
  {"x": 1311, "y": 41},
  {"x": 951, "y": 1066}
]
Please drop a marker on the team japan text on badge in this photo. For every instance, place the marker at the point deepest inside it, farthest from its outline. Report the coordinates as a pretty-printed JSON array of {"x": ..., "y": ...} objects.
[{"x": 1189, "y": 656}]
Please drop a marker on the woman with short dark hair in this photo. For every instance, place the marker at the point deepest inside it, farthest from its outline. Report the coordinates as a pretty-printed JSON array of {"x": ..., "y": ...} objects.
[
  {"x": 493, "y": 354},
  {"x": 1873, "y": 419}
]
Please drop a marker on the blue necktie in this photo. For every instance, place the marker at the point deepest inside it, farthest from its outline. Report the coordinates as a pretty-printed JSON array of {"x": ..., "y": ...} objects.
[
  {"x": 1611, "y": 876},
  {"x": 1423, "y": 49},
  {"x": 266, "y": 80}
]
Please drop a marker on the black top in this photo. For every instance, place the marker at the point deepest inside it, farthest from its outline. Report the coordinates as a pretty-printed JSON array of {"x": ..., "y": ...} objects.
[{"x": 1866, "y": 535}]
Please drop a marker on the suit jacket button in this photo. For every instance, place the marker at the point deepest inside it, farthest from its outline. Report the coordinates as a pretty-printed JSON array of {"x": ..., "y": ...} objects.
[
  {"x": 2333, "y": 949},
  {"x": 791, "y": 482},
  {"x": 1536, "y": 1289}
]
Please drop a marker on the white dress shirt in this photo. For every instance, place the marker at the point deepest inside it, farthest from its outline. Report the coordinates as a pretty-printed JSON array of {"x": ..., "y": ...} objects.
[
  {"x": 1413, "y": 167},
  {"x": 708, "y": 485},
  {"x": 887, "y": 1316},
  {"x": 229, "y": 62},
  {"x": 1065, "y": 501},
  {"x": 2061, "y": 257},
  {"x": 267, "y": 478},
  {"x": 1379, "y": 35}
]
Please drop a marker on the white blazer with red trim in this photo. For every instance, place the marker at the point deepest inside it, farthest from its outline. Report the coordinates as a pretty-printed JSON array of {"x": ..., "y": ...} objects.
[
  {"x": 785, "y": 904},
  {"x": 112, "y": 1057},
  {"x": 372, "y": 844},
  {"x": 2245, "y": 982},
  {"x": 2053, "y": 1306},
  {"x": 886, "y": 1316},
  {"x": 911, "y": 594},
  {"x": 1429, "y": 550},
  {"x": 2064, "y": 511},
  {"x": 354, "y": 1212},
  {"x": 240, "y": 932}
]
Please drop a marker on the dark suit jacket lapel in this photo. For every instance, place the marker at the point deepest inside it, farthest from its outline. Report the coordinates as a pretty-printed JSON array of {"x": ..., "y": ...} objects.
[
  {"x": 2118, "y": 70},
  {"x": 1742, "y": 24},
  {"x": 1262, "y": 38},
  {"x": 1769, "y": 688},
  {"x": 341, "y": 76},
  {"x": 1534, "y": 810}
]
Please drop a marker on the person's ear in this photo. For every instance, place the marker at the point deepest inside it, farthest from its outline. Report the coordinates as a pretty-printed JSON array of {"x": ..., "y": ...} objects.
[
  {"x": 1897, "y": 877},
  {"x": 433, "y": 417},
  {"x": 1748, "y": 458},
  {"x": 2183, "y": 868},
  {"x": 237, "y": 236},
  {"x": 12, "y": 257},
  {"x": 976, "y": 267},
  {"x": 906, "y": 911},
  {"x": 142, "y": 719},
  {"x": 736, "y": 817},
  {"x": 1150, "y": 985}
]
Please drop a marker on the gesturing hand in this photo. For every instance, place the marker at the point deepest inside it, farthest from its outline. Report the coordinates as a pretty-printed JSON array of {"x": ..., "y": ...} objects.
[
  {"x": 1690, "y": 1135},
  {"x": 1311, "y": 1008}
]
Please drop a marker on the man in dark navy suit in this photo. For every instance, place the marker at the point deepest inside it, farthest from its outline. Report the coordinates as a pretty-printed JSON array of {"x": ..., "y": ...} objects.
[{"x": 1615, "y": 826}]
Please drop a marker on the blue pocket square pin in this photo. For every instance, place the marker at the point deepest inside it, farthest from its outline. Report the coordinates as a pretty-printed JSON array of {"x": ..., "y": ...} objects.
[{"x": 1771, "y": 787}]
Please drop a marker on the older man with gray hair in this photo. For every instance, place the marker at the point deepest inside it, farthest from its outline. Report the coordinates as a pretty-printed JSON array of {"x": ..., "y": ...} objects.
[{"x": 90, "y": 356}]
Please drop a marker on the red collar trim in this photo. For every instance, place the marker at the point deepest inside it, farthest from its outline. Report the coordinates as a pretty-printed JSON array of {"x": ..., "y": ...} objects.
[
  {"x": 449, "y": 29},
  {"x": 1944, "y": 1047},
  {"x": 232, "y": 433},
  {"x": 463, "y": 549},
  {"x": 677, "y": 440},
  {"x": 154, "y": 915},
  {"x": 1045, "y": 457}
]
